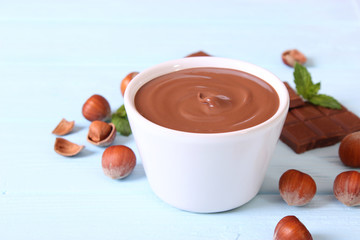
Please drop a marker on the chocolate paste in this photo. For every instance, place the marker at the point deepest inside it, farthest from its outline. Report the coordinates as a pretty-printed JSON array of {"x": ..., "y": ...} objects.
[{"x": 207, "y": 100}]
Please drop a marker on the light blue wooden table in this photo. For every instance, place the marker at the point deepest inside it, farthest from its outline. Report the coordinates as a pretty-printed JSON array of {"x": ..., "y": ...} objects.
[{"x": 55, "y": 54}]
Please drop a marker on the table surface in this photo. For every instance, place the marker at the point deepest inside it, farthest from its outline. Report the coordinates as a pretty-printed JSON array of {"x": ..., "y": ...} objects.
[{"x": 55, "y": 54}]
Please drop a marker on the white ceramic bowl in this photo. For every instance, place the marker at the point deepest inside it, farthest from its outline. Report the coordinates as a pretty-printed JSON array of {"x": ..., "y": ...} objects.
[{"x": 205, "y": 172}]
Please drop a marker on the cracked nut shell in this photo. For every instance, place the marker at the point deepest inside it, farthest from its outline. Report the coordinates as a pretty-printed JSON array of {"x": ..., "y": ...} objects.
[
  {"x": 66, "y": 148},
  {"x": 290, "y": 57},
  {"x": 101, "y": 133},
  {"x": 64, "y": 127}
]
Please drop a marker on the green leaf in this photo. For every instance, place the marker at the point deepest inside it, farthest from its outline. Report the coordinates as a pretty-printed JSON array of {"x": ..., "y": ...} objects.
[
  {"x": 121, "y": 111},
  {"x": 309, "y": 91},
  {"x": 313, "y": 89},
  {"x": 325, "y": 101},
  {"x": 121, "y": 122},
  {"x": 302, "y": 80}
]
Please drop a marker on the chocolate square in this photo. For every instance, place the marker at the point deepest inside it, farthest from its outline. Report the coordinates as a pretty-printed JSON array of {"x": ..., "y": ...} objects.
[
  {"x": 295, "y": 100},
  {"x": 299, "y": 137},
  {"x": 327, "y": 130},
  {"x": 308, "y": 111},
  {"x": 199, "y": 54},
  {"x": 330, "y": 111},
  {"x": 290, "y": 119},
  {"x": 348, "y": 121}
]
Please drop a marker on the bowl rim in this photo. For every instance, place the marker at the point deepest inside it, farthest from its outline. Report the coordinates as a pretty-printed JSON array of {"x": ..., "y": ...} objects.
[{"x": 197, "y": 62}]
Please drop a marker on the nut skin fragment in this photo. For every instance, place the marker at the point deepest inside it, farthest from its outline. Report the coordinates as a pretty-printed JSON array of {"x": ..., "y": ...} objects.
[
  {"x": 96, "y": 108},
  {"x": 126, "y": 81},
  {"x": 349, "y": 150},
  {"x": 64, "y": 127},
  {"x": 347, "y": 188},
  {"x": 118, "y": 161},
  {"x": 296, "y": 188},
  {"x": 67, "y": 148},
  {"x": 101, "y": 133},
  {"x": 290, "y": 228},
  {"x": 290, "y": 57}
]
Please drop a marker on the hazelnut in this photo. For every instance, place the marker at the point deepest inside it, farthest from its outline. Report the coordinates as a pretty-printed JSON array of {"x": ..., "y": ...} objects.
[
  {"x": 101, "y": 133},
  {"x": 64, "y": 127},
  {"x": 66, "y": 148},
  {"x": 349, "y": 150},
  {"x": 290, "y": 57},
  {"x": 347, "y": 188},
  {"x": 96, "y": 108},
  {"x": 290, "y": 228},
  {"x": 125, "y": 82},
  {"x": 296, "y": 188},
  {"x": 118, "y": 161}
]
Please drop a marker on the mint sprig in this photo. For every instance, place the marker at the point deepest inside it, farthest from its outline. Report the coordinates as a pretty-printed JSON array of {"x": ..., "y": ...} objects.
[
  {"x": 121, "y": 122},
  {"x": 309, "y": 91}
]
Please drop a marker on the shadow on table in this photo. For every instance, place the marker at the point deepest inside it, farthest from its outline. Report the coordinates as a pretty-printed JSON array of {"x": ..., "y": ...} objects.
[
  {"x": 320, "y": 237},
  {"x": 138, "y": 173},
  {"x": 84, "y": 153},
  {"x": 77, "y": 129},
  {"x": 310, "y": 62}
]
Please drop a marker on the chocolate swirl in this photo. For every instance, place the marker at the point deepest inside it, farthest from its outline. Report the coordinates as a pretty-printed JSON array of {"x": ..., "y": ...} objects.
[{"x": 207, "y": 100}]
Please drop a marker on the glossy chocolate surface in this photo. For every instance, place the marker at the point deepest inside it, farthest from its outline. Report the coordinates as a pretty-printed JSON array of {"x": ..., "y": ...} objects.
[{"x": 207, "y": 100}]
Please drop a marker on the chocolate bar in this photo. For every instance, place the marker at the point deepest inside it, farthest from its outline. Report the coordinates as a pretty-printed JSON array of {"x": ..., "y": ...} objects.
[
  {"x": 199, "y": 54},
  {"x": 295, "y": 100},
  {"x": 308, "y": 126}
]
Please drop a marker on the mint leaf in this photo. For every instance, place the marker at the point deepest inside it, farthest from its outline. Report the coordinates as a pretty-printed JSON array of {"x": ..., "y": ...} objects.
[
  {"x": 121, "y": 122},
  {"x": 309, "y": 91},
  {"x": 121, "y": 111},
  {"x": 303, "y": 81},
  {"x": 313, "y": 89},
  {"x": 325, "y": 101}
]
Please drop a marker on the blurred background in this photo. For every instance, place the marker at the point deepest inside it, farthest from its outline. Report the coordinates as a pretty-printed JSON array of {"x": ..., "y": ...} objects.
[{"x": 55, "y": 54}]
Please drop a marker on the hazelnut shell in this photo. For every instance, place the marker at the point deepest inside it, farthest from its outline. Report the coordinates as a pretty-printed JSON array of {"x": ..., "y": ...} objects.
[
  {"x": 64, "y": 127},
  {"x": 96, "y": 108},
  {"x": 347, "y": 188},
  {"x": 107, "y": 141},
  {"x": 290, "y": 227},
  {"x": 296, "y": 188},
  {"x": 290, "y": 57},
  {"x": 125, "y": 82},
  {"x": 118, "y": 161},
  {"x": 349, "y": 150},
  {"x": 66, "y": 148}
]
